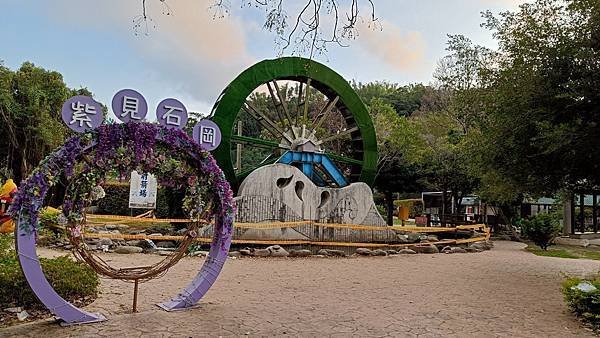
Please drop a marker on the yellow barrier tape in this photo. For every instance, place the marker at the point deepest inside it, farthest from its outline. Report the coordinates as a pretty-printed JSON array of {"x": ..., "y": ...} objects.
[
  {"x": 297, "y": 242},
  {"x": 114, "y": 218},
  {"x": 279, "y": 225}
]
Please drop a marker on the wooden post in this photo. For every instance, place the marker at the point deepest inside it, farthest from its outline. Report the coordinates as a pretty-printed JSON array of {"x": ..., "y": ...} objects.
[{"x": 135, "y": 295}]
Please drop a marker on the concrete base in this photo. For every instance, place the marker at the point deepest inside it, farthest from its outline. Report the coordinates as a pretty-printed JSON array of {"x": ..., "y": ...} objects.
[
  {"x": 572, "y": 241},
  {"x": 588, "y": 236},
  {"x": 282, "y": 193},
  {"x": 286, "y": 184}
]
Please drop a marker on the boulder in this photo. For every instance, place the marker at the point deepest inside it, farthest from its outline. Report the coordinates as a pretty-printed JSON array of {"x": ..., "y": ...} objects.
[
  {"x": 378, "y": 252},
  {"x": 447, "y": 250},
  {"x": 92, "y": 241},
  {"x": 331, "y": 252},
  {"x": 277, "y": 251},
  {"x": 106, "y": 241},
  {"x": 407, "y": 252},
  {"x": 402, "y": 238},
  {"x": 413, "y": 237},
  {"x": 22, "y": 315},
  {"x": 363, "y": 251},
  {"x": 323, "y": 253},
  {"x": 116, "y": 227},
  {"x": 482, "y": 245},
  {"x": 235, "y": 254},
  {"x": 198, "y": 253},
  {"x": 432, "y": 238},
  {"x": 428, "y": 249},
  {"x": 458, "y": 250},
  {"x": 261, "y": 253},
  {"x": 300, "y": 253},
  {"x": 148, "y": 243},
  {"x": 126, "y": 249},
  {"x": 137, "y": 242},
  {"x": 391, "y": 252},
  {"x": 246, "y": 252}
]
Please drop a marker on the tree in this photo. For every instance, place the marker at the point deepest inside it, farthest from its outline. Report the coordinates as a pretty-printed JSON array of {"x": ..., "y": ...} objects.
[
  {"x": 543, "y": 99},
  {"x": 30, "y": 104},
  {"x": 443, "y": 157},
  {"x": 396, "y": 137}
]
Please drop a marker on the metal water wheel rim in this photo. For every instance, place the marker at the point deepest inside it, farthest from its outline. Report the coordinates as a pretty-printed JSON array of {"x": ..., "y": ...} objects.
[{"x": 359, "y": 125}]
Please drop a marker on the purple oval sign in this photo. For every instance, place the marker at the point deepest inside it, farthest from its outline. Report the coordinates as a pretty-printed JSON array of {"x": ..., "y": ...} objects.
[
  {"x": 207, "y": 134},
  {"x": 171, "y": 113},
  {"x": 129, "y": 105},
  {"x": 81, "y": 113}
]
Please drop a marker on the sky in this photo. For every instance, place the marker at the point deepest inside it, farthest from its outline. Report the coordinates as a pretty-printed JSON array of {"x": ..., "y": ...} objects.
[{"x": 192, "y": 56}]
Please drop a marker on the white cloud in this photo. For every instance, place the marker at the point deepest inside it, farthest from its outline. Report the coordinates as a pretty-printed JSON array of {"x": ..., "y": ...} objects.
[
  {"x": 188, "y": 50},
  {"x": 403, "y": 51},
  {"x": 512, "y": 4}
]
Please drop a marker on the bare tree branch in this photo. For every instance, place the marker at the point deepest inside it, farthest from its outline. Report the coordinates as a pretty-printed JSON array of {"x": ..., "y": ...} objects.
[{"x": 316, "y": 24}]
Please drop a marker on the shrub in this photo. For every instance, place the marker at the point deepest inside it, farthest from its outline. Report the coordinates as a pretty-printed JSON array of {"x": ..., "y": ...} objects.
[
  {"x": 542, "y": 229},
  {"x": 586, "y": 305},
  {"x": 72, "y": 280}
]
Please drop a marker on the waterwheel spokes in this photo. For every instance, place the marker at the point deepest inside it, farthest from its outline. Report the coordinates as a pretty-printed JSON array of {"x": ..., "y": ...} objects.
[{"x": 293, "y": 103}]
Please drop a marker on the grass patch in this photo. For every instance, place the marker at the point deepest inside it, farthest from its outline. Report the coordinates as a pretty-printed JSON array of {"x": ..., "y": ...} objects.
[
  {"x": 398, "y": 221},
  {"x": 552, "y": 252},
  {"x": 564, "y": 251}
]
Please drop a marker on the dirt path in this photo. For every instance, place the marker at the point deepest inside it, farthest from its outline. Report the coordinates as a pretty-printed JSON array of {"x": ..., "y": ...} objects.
[{"x": 503, "y": 292}]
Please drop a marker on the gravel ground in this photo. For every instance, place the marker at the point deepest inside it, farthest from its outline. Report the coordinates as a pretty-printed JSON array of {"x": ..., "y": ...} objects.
[{"x": 499, "y": 293}]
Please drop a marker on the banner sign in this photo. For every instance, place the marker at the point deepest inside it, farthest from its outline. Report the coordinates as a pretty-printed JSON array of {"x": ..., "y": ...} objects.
[{"x": 142, "y": 191}]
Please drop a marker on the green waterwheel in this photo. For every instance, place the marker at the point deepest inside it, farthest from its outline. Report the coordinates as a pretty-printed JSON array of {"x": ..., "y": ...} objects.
[{"x": 288, "y": 104}]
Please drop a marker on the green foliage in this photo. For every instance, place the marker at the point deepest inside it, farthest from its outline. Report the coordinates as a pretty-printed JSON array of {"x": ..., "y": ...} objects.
[
  {"x": 30, "y": 103},
  {"x": 389, "y": 106},
  {"x": 542, "y": 229},
  {"x": 543, "y": 96},
  {"x": 585, "y": 305},
  {"x": 72, "y": 280},
  {"x": 49, "y": 216},
  {"x": 404, "y": 100},
  {"x": 116, "y": 202},
  {"x": 561, "y": 253},
  {"x": 564, "y": 251}
]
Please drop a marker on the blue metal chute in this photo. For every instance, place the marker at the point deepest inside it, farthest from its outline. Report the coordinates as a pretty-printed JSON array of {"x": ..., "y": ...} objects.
[{"x": 307, "y": 161}]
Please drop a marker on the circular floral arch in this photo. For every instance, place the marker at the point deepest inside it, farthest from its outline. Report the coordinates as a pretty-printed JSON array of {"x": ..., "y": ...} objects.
[{"x": 120, "y": 147}]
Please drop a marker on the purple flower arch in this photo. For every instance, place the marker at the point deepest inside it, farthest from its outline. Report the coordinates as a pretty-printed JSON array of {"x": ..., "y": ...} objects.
[{"x": 140, "y": 138}]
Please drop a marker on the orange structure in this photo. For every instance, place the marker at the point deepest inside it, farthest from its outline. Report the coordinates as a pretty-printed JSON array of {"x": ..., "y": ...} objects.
[{"x": 6, "y": 193}]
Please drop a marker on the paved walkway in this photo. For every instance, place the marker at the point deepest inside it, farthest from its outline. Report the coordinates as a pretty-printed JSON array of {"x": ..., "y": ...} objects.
[{"x": 499, "y": 293}]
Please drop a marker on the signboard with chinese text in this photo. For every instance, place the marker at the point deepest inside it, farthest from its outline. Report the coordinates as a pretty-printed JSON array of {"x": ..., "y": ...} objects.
[
  {"x": 142, "y": 191},
  {"x": 171, "y": 113},
  {"x": 129, "y": 105},
  {"x": 207, "y": 134},
  {"x": 81, "y": 113}
]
